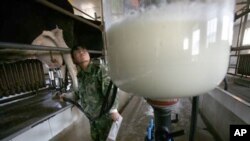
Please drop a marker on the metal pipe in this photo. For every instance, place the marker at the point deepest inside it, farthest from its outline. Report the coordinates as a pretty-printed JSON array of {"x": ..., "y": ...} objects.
[
  {"x": 242, "y": 32},
  {"x": 162, "y": 117},
  {"x": 2, "y": 77},
  {"x": 239, "y": 3},
  {"x": 241, "y": 9},
  {"x": 102, "y": 10},
  {"x": 66, "y": 79},
  {"x": 40, "y": 73},
  {"x": 195, "y": 108},
  {"x": 95, "y": 51},
  {"x": 235, "y": 97},
  {"x": 4, "y": 45},
  {"x": 32, "y": 47},
  {"x": 162, "y": 123},
  {"x": 22, "y": 76},
  {"x": 27, "y": 76},
  {"x": 36, "y": 75},
  {"x": 240, "y": 28},
  {"x": 240, "y": 48},
  {"x": 31, "y": 74},
  {"x": 65, "y": 12},
  {"x": 11, "y": 78},
  {"x": 238, "y": 42},
  {"x": 17, "y": 79},
  {"x": 241, "y": 14},
  {"x": 104, "y": 36},
  {"x": 7, "y": 81}
]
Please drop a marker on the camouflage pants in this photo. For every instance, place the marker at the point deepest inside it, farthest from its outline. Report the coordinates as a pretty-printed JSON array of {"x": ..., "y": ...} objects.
[{"x": 100, "y": 128}]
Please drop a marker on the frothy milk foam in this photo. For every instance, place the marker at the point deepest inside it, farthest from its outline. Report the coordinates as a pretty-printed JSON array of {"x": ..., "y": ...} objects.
[{"x": 172, "y": 51}]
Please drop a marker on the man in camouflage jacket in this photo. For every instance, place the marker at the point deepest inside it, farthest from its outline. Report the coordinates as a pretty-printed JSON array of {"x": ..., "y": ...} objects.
[{"x": 93, "y": 82}]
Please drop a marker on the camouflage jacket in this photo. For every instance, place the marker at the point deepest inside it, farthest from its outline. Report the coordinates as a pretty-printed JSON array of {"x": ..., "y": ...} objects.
[{"x": 93, "y": 84}]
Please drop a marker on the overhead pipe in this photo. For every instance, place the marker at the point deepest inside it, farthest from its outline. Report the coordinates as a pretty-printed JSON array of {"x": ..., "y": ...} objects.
[
  {"x": 104, "y": 36},
  {"x": 240, "y": 48},
  {"x": 5, "y": 45}
]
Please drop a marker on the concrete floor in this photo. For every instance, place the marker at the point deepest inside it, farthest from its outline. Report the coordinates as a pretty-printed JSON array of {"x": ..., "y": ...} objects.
[{"x": 136, "y": 117}]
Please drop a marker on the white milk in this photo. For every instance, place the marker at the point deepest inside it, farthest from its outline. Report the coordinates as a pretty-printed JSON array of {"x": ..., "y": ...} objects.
[{"x": 172, "y": 51}]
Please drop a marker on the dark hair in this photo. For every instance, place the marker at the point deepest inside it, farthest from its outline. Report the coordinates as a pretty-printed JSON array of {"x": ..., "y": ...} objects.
[{"x": 76, "y": 48}]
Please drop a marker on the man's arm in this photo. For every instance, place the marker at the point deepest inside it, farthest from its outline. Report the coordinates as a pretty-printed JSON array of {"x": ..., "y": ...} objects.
[{"x": 105, "y": 79}]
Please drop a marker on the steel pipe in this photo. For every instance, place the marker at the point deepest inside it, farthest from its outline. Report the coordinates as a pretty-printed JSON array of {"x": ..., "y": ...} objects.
[
  {"x": 4, "y": 45},
  {"x": 240, "y": 100},
  {"x": 237, "y": 16},
  {"x": 240, "y": 48},
  {"x": 193, "y": 123}
]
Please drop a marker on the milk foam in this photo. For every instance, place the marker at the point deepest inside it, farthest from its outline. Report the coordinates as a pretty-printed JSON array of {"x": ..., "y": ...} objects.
[{"x": 170, "y": 51}]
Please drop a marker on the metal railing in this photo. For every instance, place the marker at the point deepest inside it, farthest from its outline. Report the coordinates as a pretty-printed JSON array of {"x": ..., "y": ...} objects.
[
  {"x": 235, "y": 97},
  {"x": 5, "y": 45}
]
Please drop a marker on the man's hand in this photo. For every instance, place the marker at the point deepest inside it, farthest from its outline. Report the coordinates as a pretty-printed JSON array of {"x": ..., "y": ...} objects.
[
  {"x": 61, "y": 96},
  {"x": 115, "y": 116},
  {"x": 68, "y": 95}
]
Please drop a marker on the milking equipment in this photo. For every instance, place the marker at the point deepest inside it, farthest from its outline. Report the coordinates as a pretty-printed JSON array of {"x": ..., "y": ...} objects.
[{"x": 165, "y": 50}]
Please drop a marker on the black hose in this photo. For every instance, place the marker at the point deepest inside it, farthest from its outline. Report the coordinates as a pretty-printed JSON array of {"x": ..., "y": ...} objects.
[
  {"x": 106, "y": 105},
  {"x": 74, "y": 103}
]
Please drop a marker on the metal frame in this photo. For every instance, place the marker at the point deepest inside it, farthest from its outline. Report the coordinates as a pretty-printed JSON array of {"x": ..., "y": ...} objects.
[
  {"x": 104, "y": 35},
  {"x": 65, "y": 12},
  {"x": 5, "y": 45},
  {"x": 240, "y": 48},
  {"x": 236, "y": 97},
  {"x": 241, "y": 14},
  {"x": 83, "y": 12}
]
